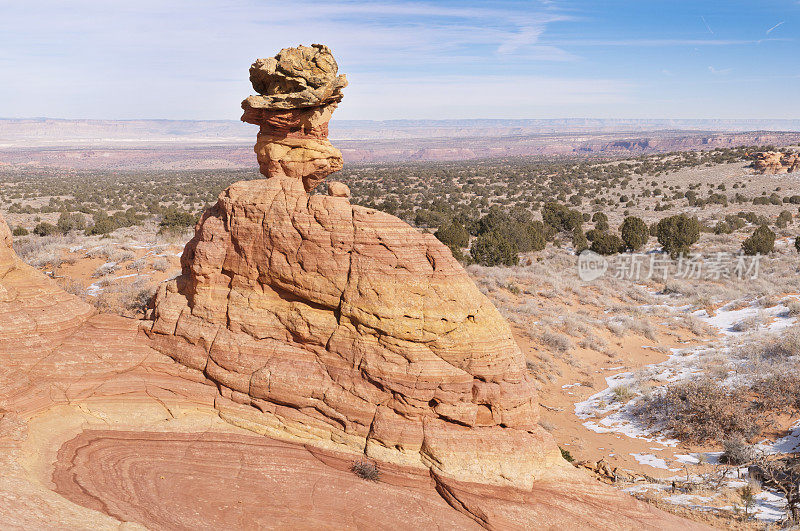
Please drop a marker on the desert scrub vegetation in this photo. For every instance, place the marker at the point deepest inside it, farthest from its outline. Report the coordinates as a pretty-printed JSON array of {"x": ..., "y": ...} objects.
[{"x": 763, "y": 382}]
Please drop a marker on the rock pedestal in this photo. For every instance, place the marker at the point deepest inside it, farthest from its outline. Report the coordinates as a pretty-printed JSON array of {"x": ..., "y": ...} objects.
[{"x": 330, "y": 322}]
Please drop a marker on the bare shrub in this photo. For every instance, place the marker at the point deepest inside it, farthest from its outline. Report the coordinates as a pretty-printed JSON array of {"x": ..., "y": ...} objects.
[
  {"x": 748, "y": 324},
  {"x": 593, "y": 342},
  {"x": 137, "y": 265},
  {"x": 122, "y": 256},
  {"x": 137, "y": 300},
  {"x": 161, "y": 264},
  {"x": 737, "y": 451},
  {"x": 70, "y": 285},
  {"x": 365, "y": 470},
  {"x": 105, "y": 269},
  {"x": 701, "y": 410}
]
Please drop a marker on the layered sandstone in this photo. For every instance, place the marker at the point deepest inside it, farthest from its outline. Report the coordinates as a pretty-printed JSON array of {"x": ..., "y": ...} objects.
[
  {"x": 100, "y": 431},
  {"x": 303, "y": 317},
  {"x": 298, "y": 90},
  {"x": 774, "y": 162},
  {"x": 340, "y": 323}
]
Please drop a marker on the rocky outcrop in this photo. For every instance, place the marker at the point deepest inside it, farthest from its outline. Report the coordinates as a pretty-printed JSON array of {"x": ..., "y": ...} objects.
[
  {"x": 298, "y": 90},
  {"x": 302, "y": 317},
  {"x": 100, "y": 431},
  {"x": 340, "y": 323},
  {"x": 775, "y": 162}
]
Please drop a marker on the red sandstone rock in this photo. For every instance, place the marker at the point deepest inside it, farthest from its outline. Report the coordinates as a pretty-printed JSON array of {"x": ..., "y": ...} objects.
[
  {"x": 369, "y": 331},
  {"x": 773, "y": 162},
  {"x": 315, "y": 320}
]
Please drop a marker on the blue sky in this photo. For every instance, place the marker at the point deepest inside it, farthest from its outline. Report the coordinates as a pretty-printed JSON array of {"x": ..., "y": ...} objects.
[{"x": 188, "y": 59}]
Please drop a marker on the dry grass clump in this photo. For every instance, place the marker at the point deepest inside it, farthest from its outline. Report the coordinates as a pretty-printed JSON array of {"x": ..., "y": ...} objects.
[
  {"x": 555, "y": 341},
  {"x": 366, "y": 470},
  {"x": 623, "y": 393},
  {"x": 622, "y": 326},
  {"x": 129, "y": 300},
  {"x": 105, "y": 269},
  {"x": 41, "y": 252},
  {"x": 160, "y": 264}
]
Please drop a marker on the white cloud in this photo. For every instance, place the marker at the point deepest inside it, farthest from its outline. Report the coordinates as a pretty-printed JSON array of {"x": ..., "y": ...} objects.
[
  {"x": 189, "y": 58},
  {"x": 719, "y": 71}
]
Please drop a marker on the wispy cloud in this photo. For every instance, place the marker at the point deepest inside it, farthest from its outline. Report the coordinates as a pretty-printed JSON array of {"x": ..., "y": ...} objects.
[
  {"x": 776, "y": 26},
  {"x": 719, "y": 71},
  {"x": 662, "y": 42},
  {"x": 706, "y": 25}
]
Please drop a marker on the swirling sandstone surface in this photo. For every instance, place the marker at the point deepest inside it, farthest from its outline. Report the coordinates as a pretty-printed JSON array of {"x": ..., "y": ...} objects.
[
  {"x": 239, "y": 482},
  {"x": 343, "y": 325}
]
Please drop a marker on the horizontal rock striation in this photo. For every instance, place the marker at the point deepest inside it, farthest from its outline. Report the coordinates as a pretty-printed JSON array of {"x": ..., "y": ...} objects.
[{"x": 342, "y": 323}]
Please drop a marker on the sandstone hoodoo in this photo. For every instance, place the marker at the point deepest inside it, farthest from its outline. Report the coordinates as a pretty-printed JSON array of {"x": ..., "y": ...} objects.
[
  {"x": 343, "y": 325},
  {"x": 298, "y": 90},
  {"x": 774, "y": 162},
  {"x": 297, "y": 316}
]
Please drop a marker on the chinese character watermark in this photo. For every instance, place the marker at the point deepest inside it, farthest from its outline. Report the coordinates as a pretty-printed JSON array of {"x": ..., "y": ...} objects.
[{"x": 660, "y": 267}]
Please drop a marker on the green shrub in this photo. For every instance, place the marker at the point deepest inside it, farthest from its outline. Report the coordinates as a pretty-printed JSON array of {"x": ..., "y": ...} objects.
[
  {"x": 566, "y": 455},
  {"x": 677, "y": 234},
  {"x": 600, "y": 221},
  {"x": 579, "y": 241},
  {"x": 607, "y": 244},
  {"x": 494, "y": 248},
  {"x": 453, "y": 235},
  {"x": 635, "y": 233},
  {"x": 45, "y": 229},
  {"x": 68, "y": 222},
  {"x": 561, "y": 217},
  {"x": 722, "y": 227},
  {"x": 102, "y": 225},
  {"x": 177, "y": 219},
  {"x": 784, "y": 219},
  {"x": 518, "y": 227},
  {"x": 797, "y": 243},
  {"x": 762, "y": 241},
  {"x": 735, "y": 222},
  {"x": 19, "y": 230}
]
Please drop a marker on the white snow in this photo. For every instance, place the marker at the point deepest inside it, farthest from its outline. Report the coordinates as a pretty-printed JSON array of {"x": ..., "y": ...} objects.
[{"x": 651, "y": 460}]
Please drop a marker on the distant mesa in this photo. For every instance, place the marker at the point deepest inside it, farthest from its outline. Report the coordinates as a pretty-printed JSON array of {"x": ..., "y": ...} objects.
[{"x": 775, "y": 162}]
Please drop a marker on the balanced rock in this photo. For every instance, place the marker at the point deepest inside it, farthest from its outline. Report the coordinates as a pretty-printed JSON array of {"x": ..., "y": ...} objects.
[
  {"x": 298, "y": 90},
  {"x": 344, "y": 325},
  {"x": 775, "y": 162}
]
